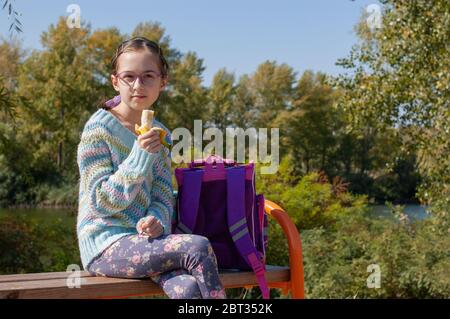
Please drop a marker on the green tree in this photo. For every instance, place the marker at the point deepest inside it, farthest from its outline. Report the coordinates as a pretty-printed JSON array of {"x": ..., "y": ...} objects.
[
  {"x": 400, "y": 77},
  {"x": 60, "y": 89},
  {"x": 241, "y": 108},
  {"x": 309, "y": 127},
  {"x": 11, "y": 55},
  {"x": 100, "y": 47},
  {"x": 271, "y": 88},
  {"x": 221, "y": 96},
  {"x": 187, "y": 97}
]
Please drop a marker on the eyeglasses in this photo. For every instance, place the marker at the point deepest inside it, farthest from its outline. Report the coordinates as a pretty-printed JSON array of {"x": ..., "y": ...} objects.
[{"x": 146, "y": 78}]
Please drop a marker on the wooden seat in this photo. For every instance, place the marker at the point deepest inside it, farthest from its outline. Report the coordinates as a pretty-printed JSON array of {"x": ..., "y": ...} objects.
[{"x": 54, "y": 284}]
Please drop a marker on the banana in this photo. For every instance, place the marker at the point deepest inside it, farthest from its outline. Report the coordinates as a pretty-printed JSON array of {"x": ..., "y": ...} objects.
[
  {"x": 146, "y": 125},
  {"x": 147, "y": 118}
]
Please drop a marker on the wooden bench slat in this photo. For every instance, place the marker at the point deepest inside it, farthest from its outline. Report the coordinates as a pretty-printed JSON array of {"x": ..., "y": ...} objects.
[
  {"x": 59, "y": 275},
  {"x": 38, "y": 276},
  {"x": 92, "y": 287},
  {"x": 53, "y": 285}
]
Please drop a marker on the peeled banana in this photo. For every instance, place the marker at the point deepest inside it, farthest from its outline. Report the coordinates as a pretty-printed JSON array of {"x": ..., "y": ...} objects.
[{"x": 146, "y": 125}]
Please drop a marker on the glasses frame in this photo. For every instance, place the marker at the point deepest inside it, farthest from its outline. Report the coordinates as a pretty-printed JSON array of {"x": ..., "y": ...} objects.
[{"x": 137, "y": 76}]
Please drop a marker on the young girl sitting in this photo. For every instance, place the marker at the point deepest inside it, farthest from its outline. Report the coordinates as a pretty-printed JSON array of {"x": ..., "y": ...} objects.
[{"x": 126, "y": 196}]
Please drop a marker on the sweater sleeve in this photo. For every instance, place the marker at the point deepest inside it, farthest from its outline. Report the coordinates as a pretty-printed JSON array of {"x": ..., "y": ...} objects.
[{"x": 108, "y": 192}]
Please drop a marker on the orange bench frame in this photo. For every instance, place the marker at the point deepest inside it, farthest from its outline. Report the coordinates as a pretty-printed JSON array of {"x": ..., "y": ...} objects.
[{"x": 296, "y": 284}]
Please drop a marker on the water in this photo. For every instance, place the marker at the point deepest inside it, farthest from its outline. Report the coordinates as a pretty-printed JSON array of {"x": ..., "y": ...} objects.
[
  {"x": 67, "y": 217},
  {"x": 413, "y": 211}
]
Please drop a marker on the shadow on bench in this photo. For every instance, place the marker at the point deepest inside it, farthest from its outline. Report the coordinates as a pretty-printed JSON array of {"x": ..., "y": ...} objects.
[{"x": 54, "y": 284}]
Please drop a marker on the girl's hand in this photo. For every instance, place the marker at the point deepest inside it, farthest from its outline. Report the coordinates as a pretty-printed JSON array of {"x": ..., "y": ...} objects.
[
  {"x": 150, "y": 226},
  {"x": 150, "y": 141}
]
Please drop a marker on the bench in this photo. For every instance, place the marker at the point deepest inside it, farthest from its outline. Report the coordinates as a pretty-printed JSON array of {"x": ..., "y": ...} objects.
[{"x": 54, "y": 284}]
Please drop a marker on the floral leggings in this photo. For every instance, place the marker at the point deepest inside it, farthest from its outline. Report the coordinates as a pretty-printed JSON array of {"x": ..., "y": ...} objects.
[{"x": 184, "y": 266}]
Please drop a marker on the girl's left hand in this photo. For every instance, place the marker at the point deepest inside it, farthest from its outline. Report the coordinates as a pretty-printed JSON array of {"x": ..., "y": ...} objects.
[{"x": 150, "y": 226}]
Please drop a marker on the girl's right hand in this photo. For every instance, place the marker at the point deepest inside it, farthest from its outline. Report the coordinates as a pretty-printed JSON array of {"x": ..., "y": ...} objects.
[
  {"x": 150, "y": 141},
  {"x": 150, "y": 226}
]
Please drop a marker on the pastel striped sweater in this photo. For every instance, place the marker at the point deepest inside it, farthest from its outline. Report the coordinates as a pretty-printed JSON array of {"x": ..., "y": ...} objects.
[{"x": 120, "y": 183}]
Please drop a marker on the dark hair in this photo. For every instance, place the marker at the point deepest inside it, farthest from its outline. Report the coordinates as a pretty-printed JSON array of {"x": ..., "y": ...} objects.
[{"x": 138, "y": 43}]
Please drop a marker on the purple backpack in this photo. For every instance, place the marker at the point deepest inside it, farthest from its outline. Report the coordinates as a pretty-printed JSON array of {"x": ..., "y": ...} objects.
[{"x": 217, "y": 199}]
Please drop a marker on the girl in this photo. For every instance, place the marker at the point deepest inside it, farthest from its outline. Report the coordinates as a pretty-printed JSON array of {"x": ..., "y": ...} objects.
[{"x": 126, "y": 199}]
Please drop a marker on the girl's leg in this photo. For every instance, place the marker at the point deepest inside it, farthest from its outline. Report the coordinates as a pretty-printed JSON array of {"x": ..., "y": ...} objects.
[
  {"x": 138, "y": 256},
  {"x": 178, "y": 284}
]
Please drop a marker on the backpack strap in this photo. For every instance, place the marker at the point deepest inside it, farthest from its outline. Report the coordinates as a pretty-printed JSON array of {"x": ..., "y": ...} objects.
[
  {"x": 190, "y": 199},
  {"x": 237, "y": 224}
]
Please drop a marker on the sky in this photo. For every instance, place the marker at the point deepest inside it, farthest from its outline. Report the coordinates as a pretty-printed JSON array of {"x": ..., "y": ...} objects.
[{"x": 237, "y": 35}]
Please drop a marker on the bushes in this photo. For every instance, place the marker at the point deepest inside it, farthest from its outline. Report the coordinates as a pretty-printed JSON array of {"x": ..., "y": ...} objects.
[
  {"x": 312, "y": 200},
  {"x": 12, "y": 184},
  {"x": 312, "y": 203},
  {"x": 413, "y": 260},
  {"x": 67, "y": 195},
  {"x": 341, "y": 238},
  {"x": 28, "y": 245},
  {"x": 19, "y": 247}
]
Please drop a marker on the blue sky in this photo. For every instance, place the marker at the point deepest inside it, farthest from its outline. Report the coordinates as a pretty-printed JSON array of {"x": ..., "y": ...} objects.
[{"x": 238, "y": 35}]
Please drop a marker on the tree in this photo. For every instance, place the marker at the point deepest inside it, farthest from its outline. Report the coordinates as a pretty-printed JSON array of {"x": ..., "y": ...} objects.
[
  {"x": 186, "y": 97},
  {"x": 400, "y": 77},
  {"x": 101, "y": 46},
  {"x": 221, "y": 98},
  {"x": 309, "y": 127},
  {"x": 242, "y": 106},
  {"x": 11, "y": 55},
  {"x": 61, "y": 92},
  {"x": 271, "y": 89}
]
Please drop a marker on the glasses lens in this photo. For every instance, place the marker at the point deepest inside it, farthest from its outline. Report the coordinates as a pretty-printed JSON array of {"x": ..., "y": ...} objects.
[
  {"x": 146, "y": 79},
  {"x": 149, "y": 78},
  {"x": 128, "y": 78}
]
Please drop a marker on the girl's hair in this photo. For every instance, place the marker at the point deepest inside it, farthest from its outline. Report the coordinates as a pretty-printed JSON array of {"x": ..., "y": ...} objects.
[
  {"x": 139, "y": 43},
  {"x": 135, "y": 44}
]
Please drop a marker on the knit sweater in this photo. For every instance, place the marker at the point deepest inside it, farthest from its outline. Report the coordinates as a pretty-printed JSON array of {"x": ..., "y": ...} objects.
[{"x": 120, "y": 183}]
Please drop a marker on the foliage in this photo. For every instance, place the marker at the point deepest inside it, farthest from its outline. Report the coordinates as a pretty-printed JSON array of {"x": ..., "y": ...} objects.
[
  {"x": 412, "y": 255},
  {"x": 32, "y": 246},
  {"x": 413, "y": 259},
  {"x": 400, "y": 77},
  {"x": 46, "y": 97}
]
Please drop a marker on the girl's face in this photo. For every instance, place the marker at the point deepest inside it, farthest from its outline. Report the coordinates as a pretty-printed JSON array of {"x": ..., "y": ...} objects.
[{"x": 138, "y": 79}]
